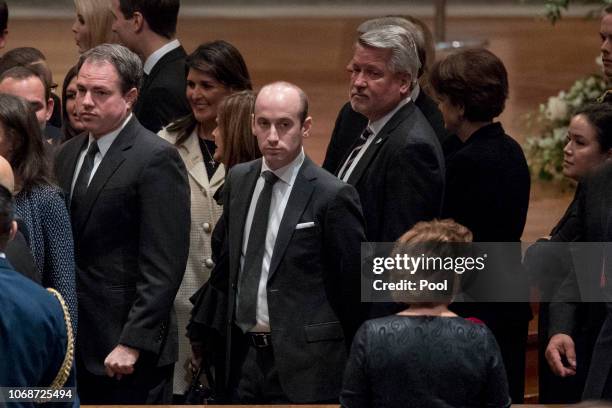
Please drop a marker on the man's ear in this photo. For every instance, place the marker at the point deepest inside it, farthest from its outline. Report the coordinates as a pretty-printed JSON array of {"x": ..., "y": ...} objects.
[
  {"x": 405, "y": 83},
  {"x": 253, "y": 124},
  {"x": 131, "y": 97},
  {"x": 50, "y": 106},
  {"x": 306, "y": 126},
  {"x": 12, "y": 230},
  {"x": 3, "y": 38},
  {"x": 138, "y": 22}
]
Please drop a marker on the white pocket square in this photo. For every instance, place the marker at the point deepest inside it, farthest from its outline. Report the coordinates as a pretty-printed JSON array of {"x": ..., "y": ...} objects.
[{"x": 305, "y": 225}]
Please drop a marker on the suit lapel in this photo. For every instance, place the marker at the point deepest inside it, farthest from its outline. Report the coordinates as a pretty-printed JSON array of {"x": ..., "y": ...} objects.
[
  {"x": 109, "y": 164},
  {"x": 379, "y": 140},
  {"x": 240, "y": 200},
  {"x": 298, "y": 200},
  {"x": 66, "y": 173}
]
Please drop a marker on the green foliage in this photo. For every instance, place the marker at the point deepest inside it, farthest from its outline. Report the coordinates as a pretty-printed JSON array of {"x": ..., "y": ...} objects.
[
  {"x": 548, "y": 126},
  {"x": 555, "y": 8}
]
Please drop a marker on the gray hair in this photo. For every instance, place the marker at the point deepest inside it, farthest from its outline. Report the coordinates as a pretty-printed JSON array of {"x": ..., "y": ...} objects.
[
  {"x": 404, "y": 55},
  {"x": 127, "y": 64},
  {"x": 413, "y": 29}
]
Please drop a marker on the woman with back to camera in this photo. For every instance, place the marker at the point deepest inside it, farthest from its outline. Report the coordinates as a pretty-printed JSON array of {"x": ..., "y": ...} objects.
[
  {"x": 426, "y": 355},
  {"x": 487, "y": 189},
  {"x": 92, "y": 24},
  {"x": 71, "y": 124},
  {"x": 588, "y": 147},
  {"x": 214, "y": 71},
  {"x": 39, "y": 204}
]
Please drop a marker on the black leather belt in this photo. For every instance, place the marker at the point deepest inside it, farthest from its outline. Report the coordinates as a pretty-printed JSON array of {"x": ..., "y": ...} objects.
[{"x": 259, "y": 340}]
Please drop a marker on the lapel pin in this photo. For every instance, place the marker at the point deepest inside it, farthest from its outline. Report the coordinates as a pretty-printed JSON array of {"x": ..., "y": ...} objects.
[{"x": 378, "y": 140}]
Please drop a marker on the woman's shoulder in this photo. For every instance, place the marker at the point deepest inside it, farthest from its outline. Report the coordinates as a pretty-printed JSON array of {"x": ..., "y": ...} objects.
[
  {"x": 167, "y": 134},
  {"x": 45, "y": 196}
]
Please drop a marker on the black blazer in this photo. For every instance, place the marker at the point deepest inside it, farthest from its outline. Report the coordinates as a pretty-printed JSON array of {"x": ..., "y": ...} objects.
[
  {"x": 161, "y": 99},
  {"x": 350, "y": 124},
  {"x": 400, "y": 177},
  {"x": 590, "y": 222},
  {"x": 131, "y": 239},
  {"x": 313, "y": 285}
]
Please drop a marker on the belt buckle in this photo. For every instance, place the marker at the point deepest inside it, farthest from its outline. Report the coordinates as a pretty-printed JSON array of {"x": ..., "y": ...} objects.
[{"x": 260, "y": 340}]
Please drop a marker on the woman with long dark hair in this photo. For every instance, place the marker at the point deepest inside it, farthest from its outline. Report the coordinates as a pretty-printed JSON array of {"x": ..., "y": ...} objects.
[
  {"x": 214, "y": 71},
  {"x": 39, "y": 204}
]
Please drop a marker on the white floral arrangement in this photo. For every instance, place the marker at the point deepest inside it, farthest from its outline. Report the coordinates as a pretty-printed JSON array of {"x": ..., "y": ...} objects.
[{"x": 544, "y": 150}]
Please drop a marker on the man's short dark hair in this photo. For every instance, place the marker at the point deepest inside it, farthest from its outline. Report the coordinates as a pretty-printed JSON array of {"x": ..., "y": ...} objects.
[
  {"x": 474, "y": 79},
  {"x": 31, "y": 58},
  {"x": 3, "y": 16},
  {"x": 20, "y": 72},
  {"x": 161, "y": 15},
  {"x": 7, "y": 215},
  {"x": 127, "y": 64}
]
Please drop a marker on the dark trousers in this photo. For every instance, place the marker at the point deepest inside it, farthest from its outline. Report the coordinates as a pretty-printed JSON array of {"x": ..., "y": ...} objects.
[
  {"x": 147, "y": 385},
  {"x": 258, "y": 380}
]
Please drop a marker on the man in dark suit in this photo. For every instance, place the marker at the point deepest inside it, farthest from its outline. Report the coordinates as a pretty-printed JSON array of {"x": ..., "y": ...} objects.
[
  {"x": 36, "y": 340},
  {"x": 350, "y": 124},
  {"x": 292, "y": 234},
  {"x": 148, "y": 27},
  {"x": 130, "y": 216},
  {"x": 396, "y": 164}
]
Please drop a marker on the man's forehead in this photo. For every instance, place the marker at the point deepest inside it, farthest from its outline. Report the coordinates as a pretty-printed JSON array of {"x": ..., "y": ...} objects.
[
  {"x": 99, "y": 71},
  {"x": 16, "y": 86},
  {"x": 277, "y": 103}
]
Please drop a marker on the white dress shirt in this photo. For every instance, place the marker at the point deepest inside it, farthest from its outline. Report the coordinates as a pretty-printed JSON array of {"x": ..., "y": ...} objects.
[
  {"x": 158, "y": 54},
  {"x": 375, "y": 127},
  {"x": 104, "y": 143},
  {"x": 280, "y": 196}
]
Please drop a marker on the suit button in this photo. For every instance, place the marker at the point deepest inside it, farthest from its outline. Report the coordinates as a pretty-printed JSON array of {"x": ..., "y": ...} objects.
[
  {"x": 206, "y": 227},
  {"x": 209, "y": 263}
]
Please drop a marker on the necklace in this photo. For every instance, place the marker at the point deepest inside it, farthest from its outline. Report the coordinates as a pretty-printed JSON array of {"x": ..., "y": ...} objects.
[{"x": 211, "y": 158}]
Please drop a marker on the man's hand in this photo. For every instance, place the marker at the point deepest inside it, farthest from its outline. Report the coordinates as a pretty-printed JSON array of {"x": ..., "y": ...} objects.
[
  {"x": 559, "y": 346},
  {"x": 121, "y": 361}
]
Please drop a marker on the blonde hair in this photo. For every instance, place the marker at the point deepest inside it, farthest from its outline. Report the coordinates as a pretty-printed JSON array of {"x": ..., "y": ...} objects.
[{"x": 99, "y": 19}]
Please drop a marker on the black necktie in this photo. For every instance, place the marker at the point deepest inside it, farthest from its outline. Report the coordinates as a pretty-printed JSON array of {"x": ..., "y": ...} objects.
[
  {"x": 246, "y": 308},
  {"x": 357, "y": 146},
  {"x": 82, "y": 181}
]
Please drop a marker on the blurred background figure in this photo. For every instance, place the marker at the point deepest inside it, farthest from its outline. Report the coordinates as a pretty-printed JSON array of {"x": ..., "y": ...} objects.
[
  {"x": 93, "y": 24},
  {"x": 4, "y": 15},
  {"x": 71, "y": 124},
  {"x": 487, "y": 185},
  {"x": 214, "y": 71},
  {"x": 589, "y": 146},
  {"x": 419, "y": 356},
  {"x": 39, "y": 203}
]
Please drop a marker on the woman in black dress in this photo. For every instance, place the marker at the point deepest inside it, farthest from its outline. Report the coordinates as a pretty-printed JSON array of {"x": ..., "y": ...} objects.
[
  {"x": 487, "y": 185},
  {"x": 426, "y": 355},
  {"x": 589, "y": 146}
]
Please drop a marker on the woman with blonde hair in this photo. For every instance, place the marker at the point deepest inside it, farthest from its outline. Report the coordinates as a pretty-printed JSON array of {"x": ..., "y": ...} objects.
[{"x": 92, "y": 24}]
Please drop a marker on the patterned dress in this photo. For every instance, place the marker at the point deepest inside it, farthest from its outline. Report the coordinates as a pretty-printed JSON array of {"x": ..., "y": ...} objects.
[{"x": 43, "y": 212}]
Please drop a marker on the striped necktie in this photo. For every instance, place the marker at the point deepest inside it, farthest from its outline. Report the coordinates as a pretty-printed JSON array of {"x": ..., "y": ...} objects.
[{"x": 363, "y": 138}]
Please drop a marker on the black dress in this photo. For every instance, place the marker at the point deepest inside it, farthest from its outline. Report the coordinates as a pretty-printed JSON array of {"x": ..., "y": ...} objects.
[
  {"x": 424, "y": 361},
  {"x": 487, "y": 190}
]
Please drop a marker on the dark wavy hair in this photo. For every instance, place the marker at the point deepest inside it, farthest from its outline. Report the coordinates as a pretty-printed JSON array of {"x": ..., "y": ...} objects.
[
  {"x": 222, "y": 61},
  {"x": 474, "y": 79},
  {"x": 29, "y": 159},
  {"x": 599, "y": 116}
]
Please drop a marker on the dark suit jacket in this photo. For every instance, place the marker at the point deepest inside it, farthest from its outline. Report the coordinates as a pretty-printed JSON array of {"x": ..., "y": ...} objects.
[
  {"x": 350, "y": 124},
  {"x": 400, "y": 177},
  {"x": 131, "y": 239},
  {"x": 313, "y": 285},
  {"x": 590, "y": 222},
  {"x": 162, "y": 96}
]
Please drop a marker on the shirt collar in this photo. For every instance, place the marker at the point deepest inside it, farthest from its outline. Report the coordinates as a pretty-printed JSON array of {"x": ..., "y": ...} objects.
[
  {"x": 379, "y": 124},
  {"x": 416, "y": 90},
  {"x": 157, "y": 55},
  {"x": 287, "y": 173},
  {"x": 105, "y": 141}
]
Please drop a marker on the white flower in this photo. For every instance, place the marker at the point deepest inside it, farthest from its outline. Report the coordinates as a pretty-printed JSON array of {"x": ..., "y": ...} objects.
[{"x": 556, "y": 108}]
